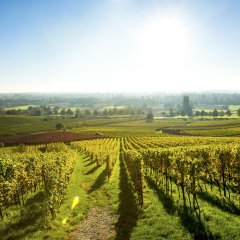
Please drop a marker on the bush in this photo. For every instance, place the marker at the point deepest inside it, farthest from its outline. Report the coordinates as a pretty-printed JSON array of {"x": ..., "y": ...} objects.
[{"x": 59, "y": 126}]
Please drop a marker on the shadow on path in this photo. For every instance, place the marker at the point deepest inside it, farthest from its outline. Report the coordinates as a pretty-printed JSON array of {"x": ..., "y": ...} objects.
[
  {"x": 94, "y": 169},
  {"x": 32, "y": 219},
  {"x": 166, "y": 200},
  {"x": 215, "y": 201},
  {"x": 99, "y": 181},
  {"x": 195, "y": 226},
  {"x": 188, "y": 218},
  {"x": 89, "y": 164},
  {"x": 128, "y": 209}
]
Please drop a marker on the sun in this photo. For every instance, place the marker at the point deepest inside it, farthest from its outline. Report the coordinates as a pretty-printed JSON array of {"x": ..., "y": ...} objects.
[
  {"x": 164, "y": 38},
  {"x": 163, "y": 45}
]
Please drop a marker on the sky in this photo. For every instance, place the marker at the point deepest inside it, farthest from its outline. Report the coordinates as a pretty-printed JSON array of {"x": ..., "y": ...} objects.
[{"x": 119, "y": 45}]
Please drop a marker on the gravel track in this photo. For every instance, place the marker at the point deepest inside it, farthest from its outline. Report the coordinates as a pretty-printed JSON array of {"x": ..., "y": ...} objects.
[{"x": 98, "y": 225}]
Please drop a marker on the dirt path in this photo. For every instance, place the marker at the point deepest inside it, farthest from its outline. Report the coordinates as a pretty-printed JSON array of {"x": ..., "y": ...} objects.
[{"x": 98, "y": 225}]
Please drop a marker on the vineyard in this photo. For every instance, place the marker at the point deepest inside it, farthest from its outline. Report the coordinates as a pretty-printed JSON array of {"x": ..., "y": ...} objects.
[
  {"x": 49, "y": 137},
  {"x": 24, "y": 173},
  {"x": 191, "y": 183},
  {"x": 119, "y": 120},
  {"x": 192, "y": 168}
]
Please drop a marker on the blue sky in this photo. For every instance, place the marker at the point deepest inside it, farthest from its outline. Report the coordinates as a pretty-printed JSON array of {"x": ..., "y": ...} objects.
[{"x": 119, "y": 45}]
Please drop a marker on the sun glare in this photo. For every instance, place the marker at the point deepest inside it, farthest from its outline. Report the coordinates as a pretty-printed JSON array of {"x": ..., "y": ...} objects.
[
  {"x": 163, "y": 47},
  {"x": 164, "y": 39}
]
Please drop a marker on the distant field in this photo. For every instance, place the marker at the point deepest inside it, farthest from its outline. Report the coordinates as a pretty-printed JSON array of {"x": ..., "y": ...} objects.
[
  {"x": 48, "y": 137},
  {"x": 107, "y": 177},
  {"x": 234, "y": 107},
  {"x": 156, "y": 123},
  {"x": 14, "y": 125},
  {"x": 214, "y": 123},
  {"x": 134, "y": 128},
  {"x": 220, "y": 132},
  {"x": 24, "y": 107},
  {"x": 230, "y": 127},
  {"x": 119, "y": 131}
]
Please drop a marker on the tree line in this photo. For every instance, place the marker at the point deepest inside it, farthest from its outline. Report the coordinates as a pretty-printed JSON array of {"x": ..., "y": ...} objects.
[
  {"x": 139, "y": 100},
  {"x": 186, "y": 109},
  {"x": 74, "y": 113}
]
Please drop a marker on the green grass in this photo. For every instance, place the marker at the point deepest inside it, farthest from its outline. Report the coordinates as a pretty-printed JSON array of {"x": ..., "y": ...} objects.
[
  {"x": 161, "y": 217},
  {"x": 157, "y": 222},
  {"x": 218, "y": 220},
  {"x": 155, "y": 124},
  {"x": 13, "y": 125},
  {"x": 220, "y": 132},
  {"x": 230, "y": 127},
  {"x": 29, "y": 221},
  {"x": 133, "y": 127},
  {"x": 23, "y": 107},
  {"x": 89, "y": 183},
  {"x": 56, "y": 229},
  {"x": 212, "y": 127},
  {"x": 150, "y": 222},
  {"x": 234, "y": 107},
  {"x": 117, "y": 131},
  {"x": 23, "y": 222},
  {"x": 215, "y": 123},
  {"x": 210, "y": 109},
  {"x": 118, "y": 127}
]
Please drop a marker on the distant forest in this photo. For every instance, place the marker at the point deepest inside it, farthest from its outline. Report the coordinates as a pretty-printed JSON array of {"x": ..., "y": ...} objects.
[{"x": 138, "y": 100}]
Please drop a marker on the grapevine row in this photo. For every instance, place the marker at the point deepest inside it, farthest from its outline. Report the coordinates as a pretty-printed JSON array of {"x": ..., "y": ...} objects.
[
  {"x": 23, "y": 173},
  {"x": 192, "y": 169},
  {"x": 101, "y": 151}
]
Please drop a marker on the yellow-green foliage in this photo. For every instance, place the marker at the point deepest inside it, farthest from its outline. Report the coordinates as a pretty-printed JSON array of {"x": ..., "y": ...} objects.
[
  {"x": 23, "y": 172},
  {"x": 101, "y": 151}
]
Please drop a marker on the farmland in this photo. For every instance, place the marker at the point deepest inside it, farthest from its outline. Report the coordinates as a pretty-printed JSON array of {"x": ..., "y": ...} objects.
[
  {"x": 145, "y": 184},
  {"x": 50, "y": 137},
  {"x": 119, "y": 120},
  {"x": 15, "y": 125}
]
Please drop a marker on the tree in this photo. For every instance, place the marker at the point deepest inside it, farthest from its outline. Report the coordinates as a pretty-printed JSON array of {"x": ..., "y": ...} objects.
[
  {"x": 163, "y": 113},
  {"x": 149, "y": 117},
  {"x": 186, "y": 106},
  {"x": 228, "y": 113},
  {"x": 69, "y": 112},
  {"x": 182, "y": 113},
  {"x": 222, "y": 113},
  {"x": 47, "y": 110},
  {"x": 2, "y": 111},
  {"x": 77, "y": 113},
  {"x": 197, "y": 113},
  {"x": 95, "y": 113},
  {"x": 238, "y": 112},
  {"x": 171, "y": 113},
  {"x": 56, "y": 109},
  {"x": 87, "y": 112},
  {"x": 203, "y": 113},
  {"x": 215, "y": 113},
  {"x": 38, "y": 111},
  {"x": 35, "y": 111},
  {"x": 132, "y": 112},
  {"x": 139, "y": 112},
  {"x": 63, "y": 112},
  {"x": 105, "y": 113},
  {"x": 59, "y": 126},
  {"x": 115, "y": 111}
]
